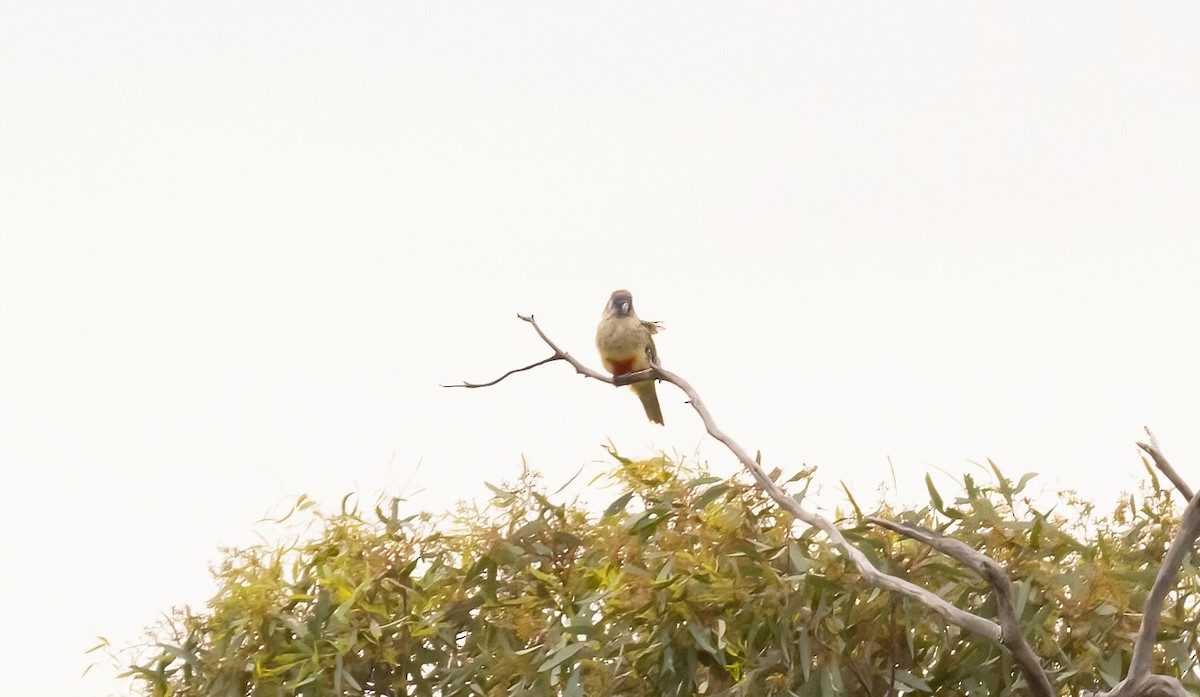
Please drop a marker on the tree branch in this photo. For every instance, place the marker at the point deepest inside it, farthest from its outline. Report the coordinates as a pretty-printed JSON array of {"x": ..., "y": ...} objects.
[
  {"x": 975, "y": 624},
  {"x": 970, "y": 622},
  {"x": 473, "y": 385},
  {"x": 1011, "y": 636},
  {"x": 1185, "y": 540},
  {"x": 1151, "y": 686},
  {"x": 559, "y": 355},
  {"x": 1139, "y": 682}
]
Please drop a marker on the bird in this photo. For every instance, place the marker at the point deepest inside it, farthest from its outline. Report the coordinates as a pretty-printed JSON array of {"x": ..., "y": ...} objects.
[{"x": 626, "y": 345}]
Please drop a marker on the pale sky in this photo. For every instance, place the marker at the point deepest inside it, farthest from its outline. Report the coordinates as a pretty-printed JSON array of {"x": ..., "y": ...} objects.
[{"x": 241, "y": 244}]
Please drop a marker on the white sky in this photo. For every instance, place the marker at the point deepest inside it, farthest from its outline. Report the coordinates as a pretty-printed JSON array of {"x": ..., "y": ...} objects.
[{"x": 242, "y": 244}]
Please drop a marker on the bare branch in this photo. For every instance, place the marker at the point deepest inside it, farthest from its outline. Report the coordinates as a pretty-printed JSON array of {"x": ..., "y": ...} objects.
[
  {"x": 1185, "y": 540},
  {"x": 559, "y": 355},
  {"x": 1161, "y": 686},
  {"x": 1011, "y": 636},
  {"x": 638, "y": 376},
  {"x": 1139, "y": 682},
  {"x": 972, "y": 623},
  {"x": 473, "y": 385},
  {"x": 1165, "y": 467},
  {"x": 1150, "y": 686},
  {"x": 975, "y": 624}
]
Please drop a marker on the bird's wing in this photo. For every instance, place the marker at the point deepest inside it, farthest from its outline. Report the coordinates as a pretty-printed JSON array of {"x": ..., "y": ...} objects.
[{"x": 651, "y": 350}]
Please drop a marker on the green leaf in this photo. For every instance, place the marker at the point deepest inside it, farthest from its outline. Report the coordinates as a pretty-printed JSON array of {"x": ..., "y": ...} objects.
[
  {"x": 698, "y": 634},
  {"x": 1110, "y": 668},
  {"x": 575, "y": 684},
  {"x": 1023, "y": 588},
  {"x": 804, "y": 643},
  {"x": 1153, "y": 474},
  {"x": 934, "y": 496},
  {"x": 858, "y": 514},
  {"x": 531, "y": 528},
  {"x": 802, "y": 474},
  {"x": 650, "y": 518},
  {"x": 566, "y": 539},
  {"x": 561, "y": 656},
  {"x": 619, "y": 505},
  {"x": 1035, "y": 533},
  {"x": 711, "y": 495},
  {"x": 1023, "y": 481},
  {"x": 908, "y": 679},
  {"x": 349, "y": 678},
  {"x": 581, "y": 627},
  {"x": 800, "y": 563},
  {"x": 180, "y": 653}
]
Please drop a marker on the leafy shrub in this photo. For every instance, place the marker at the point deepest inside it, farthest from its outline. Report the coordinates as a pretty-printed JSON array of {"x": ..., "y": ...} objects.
[{"x": 687, "y": 584}]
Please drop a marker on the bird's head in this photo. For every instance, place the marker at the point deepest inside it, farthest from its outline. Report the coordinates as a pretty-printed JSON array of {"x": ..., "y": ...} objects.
[{"x": 620, "y": 304}]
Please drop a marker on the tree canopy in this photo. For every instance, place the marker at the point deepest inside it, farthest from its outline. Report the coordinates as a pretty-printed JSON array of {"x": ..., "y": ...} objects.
[{"x": 687, "y": 584}]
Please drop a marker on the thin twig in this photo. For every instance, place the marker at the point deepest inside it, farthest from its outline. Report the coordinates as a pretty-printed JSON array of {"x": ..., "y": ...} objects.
[
  {"x": 559, "y": 355},
  {"x": 568, "y": 482},
  {"x": 473, "y": 385},
  {"x": 1011, "y": 636}
]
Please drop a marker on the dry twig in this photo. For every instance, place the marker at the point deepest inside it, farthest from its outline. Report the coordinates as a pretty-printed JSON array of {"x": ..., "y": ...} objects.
[{"x": 559, "y": 355}]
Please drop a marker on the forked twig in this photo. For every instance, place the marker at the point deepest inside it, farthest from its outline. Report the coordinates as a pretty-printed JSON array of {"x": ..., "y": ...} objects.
[{"x": 559, "y": 355}]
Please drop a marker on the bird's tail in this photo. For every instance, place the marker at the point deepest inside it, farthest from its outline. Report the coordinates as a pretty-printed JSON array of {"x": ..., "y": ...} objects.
[{"x": 649, "y": 396}]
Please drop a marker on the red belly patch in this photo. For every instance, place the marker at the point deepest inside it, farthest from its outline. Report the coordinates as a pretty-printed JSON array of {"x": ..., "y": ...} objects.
[{"x": 621, "y": 367}]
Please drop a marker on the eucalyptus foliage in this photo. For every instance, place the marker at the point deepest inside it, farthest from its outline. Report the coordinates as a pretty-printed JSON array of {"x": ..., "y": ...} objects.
[{"x": 687, "y": 584}]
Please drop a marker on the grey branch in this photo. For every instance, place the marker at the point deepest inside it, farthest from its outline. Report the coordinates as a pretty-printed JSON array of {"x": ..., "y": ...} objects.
[
  {"x": 972, "y": 623},
  {"x": 1164, "y": 581},
  {"x": 473, "y": 385},
  {"x": 1139, "y": 682},
  {"x": 1011, "y": 636},
  {"x": 1150, "y": 686},
  {"x": 975, "y": 624},
  {"x": 559, "y": 355}
]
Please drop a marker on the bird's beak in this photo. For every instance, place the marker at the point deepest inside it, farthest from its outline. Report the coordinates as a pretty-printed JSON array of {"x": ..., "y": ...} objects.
[{"x": 625, "y": 307}]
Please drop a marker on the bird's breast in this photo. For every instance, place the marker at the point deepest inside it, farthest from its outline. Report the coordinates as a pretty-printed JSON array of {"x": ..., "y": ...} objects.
[{"x": 622, "y": 342}]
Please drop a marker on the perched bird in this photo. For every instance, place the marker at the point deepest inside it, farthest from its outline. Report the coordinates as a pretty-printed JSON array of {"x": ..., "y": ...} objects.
[{"x": 626, "y": 346}]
